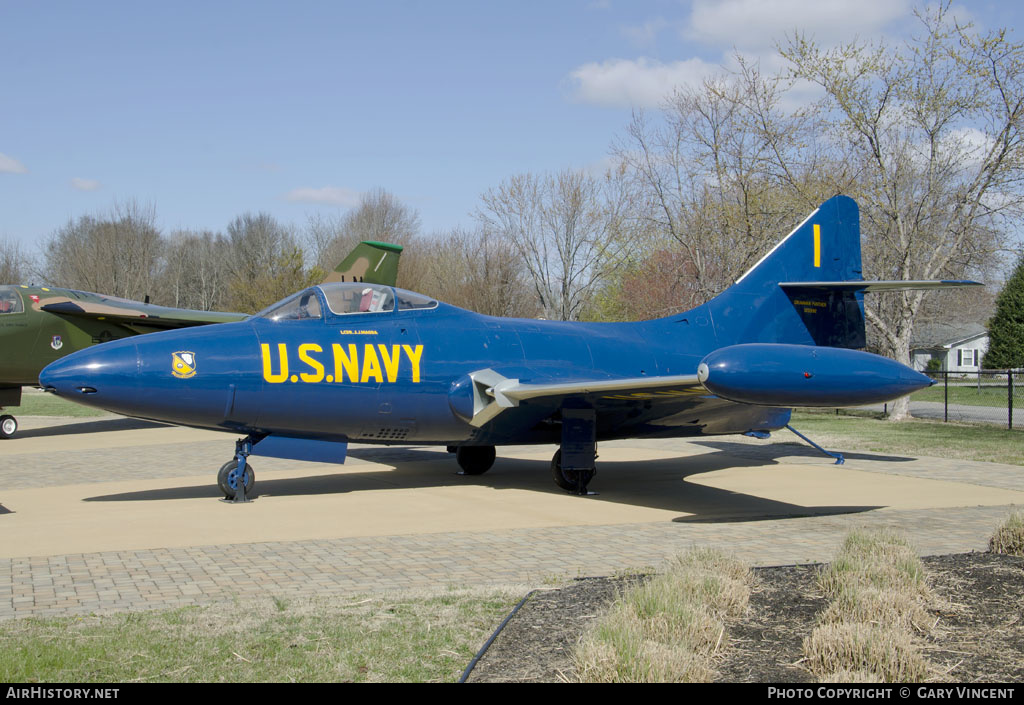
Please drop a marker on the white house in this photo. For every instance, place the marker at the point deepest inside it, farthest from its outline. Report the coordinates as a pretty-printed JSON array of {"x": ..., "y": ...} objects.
[{"x": 960, "y": 347}]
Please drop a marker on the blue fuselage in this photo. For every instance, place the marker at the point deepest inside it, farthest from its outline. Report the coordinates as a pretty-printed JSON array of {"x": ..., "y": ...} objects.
[{"x": 389, "y": 377}]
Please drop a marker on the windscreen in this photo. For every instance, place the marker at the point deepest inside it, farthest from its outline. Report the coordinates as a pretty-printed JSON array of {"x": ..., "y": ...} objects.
[{"x": 297, "y": 307}]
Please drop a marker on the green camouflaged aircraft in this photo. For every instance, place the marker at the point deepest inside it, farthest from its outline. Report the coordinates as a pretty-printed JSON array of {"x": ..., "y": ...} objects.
[{"x": 40, "y": 324}]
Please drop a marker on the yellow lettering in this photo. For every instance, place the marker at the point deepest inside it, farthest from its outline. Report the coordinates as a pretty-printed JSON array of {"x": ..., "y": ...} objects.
[
  {"x": 371, "y": 365},
  {"x": 390, "y": 361},
  {"x": 318, "y": 368},
  {"x": 346, "y": 364},
  {"x": 268, "y": 374},
  {"x": 414, "y": 354}
]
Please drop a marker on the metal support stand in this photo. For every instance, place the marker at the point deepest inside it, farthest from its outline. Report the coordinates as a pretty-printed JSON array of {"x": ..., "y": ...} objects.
[{"x": 838, "y": 456}]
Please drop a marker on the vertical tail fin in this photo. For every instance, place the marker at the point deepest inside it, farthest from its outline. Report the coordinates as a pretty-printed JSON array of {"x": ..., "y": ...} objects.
[
  {"x": 373, "y": 262},
  {"x": 825, "y": 248}
]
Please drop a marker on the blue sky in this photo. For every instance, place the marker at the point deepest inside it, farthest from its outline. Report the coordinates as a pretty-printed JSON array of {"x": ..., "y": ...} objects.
[{"x": 208, "y": 110}]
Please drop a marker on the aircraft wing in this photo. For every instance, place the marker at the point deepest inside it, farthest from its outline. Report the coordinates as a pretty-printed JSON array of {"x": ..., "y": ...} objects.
[
  {"x": 134, "y": 313},
  {"x": 492, "y": 392}
]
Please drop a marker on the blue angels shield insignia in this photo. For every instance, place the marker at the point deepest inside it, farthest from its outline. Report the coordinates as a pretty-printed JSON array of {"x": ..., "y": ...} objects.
[{"x": 183, "y": 364}]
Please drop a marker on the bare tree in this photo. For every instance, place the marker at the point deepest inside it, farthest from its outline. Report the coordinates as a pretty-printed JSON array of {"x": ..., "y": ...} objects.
[
  {"x": 935, "y": 127},
  {"x": 476, "y": 270},
  {"x": 720, "y": 175},
  {"x": 264, "y": 263},
  {"x": 14, "y": 263},
  {"x": 569, "y": 229},
  {"x": 195, "y": 270},
  {"x": 117, "y": 254}
]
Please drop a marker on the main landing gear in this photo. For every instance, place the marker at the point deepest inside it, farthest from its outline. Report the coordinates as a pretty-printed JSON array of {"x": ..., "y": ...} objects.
[
  {"x": 572, "y": 467},
  {"x": 8, "y": 426},
  {"x": 573, "y": 480},
  {"x": 235, "y": 477},
  {"x": 9, "y": 396}
]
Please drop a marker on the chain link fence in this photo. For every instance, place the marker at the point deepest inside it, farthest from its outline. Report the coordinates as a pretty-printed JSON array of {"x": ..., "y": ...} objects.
[{"x": 988, "y": 396}]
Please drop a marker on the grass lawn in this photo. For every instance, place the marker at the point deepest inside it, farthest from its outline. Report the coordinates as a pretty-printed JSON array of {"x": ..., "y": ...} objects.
[
  {"x": 41, "y": 404},
  {"x": 971, "y": 395},
  {"x": 405, "y": 639},
  {"x": 916, "y": 437}
]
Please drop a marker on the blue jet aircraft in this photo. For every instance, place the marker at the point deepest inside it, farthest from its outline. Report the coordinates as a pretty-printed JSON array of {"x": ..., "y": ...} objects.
[{"x": 375, "y": 364}]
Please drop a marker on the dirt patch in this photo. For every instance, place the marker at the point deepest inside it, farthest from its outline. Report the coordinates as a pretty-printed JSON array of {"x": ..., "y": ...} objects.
[{"x": 978, "y": 637}]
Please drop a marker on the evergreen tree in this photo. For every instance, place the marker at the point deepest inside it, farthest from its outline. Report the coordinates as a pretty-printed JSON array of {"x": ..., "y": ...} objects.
[{"x": 1006, "y": 328}]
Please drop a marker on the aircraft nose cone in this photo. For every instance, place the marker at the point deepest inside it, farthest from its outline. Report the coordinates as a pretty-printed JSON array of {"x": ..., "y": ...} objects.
[{"x": 95, "y": 375}]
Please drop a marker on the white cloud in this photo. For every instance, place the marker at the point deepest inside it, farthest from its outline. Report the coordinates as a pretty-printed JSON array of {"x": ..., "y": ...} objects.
[
  {"x": 635, "y": 82},
  {"x": 10, "y": 165},
  {"x": 750, "y": 27},
  {"x": 80, "y": 184},
  {"x": 759, "y": 24},
  {"x": 645, "y": 35},
  {"x": 328, "y": 196}
]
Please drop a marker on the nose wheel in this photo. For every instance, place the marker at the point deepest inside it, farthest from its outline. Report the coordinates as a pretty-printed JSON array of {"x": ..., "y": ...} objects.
[
  {"x": 229, "y": 480},
  {"x": 235, "y": 477},
  {"x": 8, "y": 426}
]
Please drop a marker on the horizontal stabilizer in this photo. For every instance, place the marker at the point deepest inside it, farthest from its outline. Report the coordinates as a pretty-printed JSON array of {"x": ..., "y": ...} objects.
[
  {"x": 833, "y": 311},
  {"x": 895, "y": 285}
]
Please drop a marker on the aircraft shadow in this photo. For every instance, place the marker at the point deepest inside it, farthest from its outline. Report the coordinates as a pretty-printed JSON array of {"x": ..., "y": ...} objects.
[
  {"x": 5, "y": 510},
  {"x": 657, "y": 484},
  {"x": 100, "y": 425},
  {"x": 783, "y": 449}
]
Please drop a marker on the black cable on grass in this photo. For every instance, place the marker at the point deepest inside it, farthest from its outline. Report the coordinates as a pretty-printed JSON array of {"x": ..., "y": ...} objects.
[{"x": 487, "y": 644}]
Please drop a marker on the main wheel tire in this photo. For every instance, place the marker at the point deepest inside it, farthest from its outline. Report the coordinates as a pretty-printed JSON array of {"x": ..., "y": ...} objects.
[
  {"x": 475, "y": 460},
  {"x": 227, "y": 479},
  {"x": 8, "y": 426},
  {"x": 569, "y": 480}
]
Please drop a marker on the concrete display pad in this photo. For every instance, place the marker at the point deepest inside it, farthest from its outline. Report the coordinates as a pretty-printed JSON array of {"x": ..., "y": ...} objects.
[{"x": 121, "y": 492}]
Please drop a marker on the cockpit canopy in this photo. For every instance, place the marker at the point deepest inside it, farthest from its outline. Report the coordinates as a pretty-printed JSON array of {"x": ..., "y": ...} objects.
[
  {"x": 10, "y": 300},
  {"x": 345, "y": 298}
]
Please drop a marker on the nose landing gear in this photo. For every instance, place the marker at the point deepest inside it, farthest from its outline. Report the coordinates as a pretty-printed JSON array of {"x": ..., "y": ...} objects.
[{"x": 235, "y": 477}]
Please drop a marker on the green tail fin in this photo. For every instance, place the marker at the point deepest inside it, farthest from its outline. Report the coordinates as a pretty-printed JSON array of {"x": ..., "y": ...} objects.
[{"x": 373, "y": 262}]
